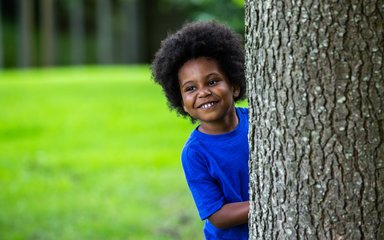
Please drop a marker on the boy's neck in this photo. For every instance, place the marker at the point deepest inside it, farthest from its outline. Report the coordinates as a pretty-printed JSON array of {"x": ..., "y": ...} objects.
[{"x": 220, "y": 127}]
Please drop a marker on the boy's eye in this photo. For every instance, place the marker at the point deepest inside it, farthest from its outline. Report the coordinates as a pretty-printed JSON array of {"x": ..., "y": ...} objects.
[
  {"x": 212, "y": 82},
  {"x": 190, "y": 88}
]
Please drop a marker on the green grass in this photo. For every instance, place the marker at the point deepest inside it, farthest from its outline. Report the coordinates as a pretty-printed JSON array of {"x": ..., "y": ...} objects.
[{"x": 91, "y": 153}]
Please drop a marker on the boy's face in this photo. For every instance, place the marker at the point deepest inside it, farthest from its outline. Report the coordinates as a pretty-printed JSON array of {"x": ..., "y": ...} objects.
[{"x": 206, "y": 92}]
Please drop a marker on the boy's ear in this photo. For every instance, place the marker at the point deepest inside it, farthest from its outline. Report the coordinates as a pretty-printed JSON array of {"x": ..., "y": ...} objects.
[{"x": 236, "y": 91}]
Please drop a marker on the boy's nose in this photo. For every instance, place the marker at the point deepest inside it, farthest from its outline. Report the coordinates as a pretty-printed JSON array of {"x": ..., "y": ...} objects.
[{"x": 204, "y": 92}]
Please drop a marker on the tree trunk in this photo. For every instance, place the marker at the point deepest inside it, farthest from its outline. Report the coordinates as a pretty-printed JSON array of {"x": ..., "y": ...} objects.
[
  {"x": 26, "y": 33},
  {"x": 1, "y": 40},
  {"x": 131, "y": 32},
  {"x": 104, "y": 31},
  {"x": 316, "y": 94},
  {"x": 76, "y": 20},
  {"x": 47, "y": 32}
]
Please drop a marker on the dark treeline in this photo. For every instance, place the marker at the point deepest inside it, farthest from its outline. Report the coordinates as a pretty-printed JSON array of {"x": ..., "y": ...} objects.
[
  {"x": 58, "y": 32},
  {"x": 35, "y": 33}
]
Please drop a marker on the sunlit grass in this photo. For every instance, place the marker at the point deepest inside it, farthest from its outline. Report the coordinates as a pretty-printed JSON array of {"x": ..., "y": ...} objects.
[{"x": 91, "y": 153}]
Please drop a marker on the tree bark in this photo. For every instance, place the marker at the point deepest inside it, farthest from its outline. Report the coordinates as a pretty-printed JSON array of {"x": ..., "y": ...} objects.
[{"x": 316, "y": 95}]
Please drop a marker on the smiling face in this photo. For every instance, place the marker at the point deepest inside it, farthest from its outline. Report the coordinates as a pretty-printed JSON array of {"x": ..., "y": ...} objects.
[{"x": 207, "y": 95}]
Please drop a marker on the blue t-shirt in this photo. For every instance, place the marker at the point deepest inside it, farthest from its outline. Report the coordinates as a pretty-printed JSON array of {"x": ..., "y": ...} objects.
[{"x": 216, "y": 169}]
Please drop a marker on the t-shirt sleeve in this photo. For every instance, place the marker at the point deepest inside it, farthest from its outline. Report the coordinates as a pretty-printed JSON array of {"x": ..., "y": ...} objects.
[{"x": 205, "y": 190}]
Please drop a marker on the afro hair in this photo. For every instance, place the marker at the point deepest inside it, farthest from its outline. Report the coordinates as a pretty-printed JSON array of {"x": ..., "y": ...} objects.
[{"x": 199, "y": 39}]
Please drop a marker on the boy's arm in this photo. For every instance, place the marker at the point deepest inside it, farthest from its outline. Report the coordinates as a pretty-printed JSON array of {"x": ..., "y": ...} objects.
[{"x": 230, "y": 215}]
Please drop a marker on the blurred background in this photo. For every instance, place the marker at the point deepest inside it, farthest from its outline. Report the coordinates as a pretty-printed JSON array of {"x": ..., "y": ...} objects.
[
  {"x": 88, "y": 146},
  {"x": 36, "y": 33}
]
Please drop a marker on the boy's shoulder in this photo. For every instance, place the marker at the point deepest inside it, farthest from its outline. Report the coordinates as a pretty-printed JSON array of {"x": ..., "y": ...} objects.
[{"x": 193, "y": 140}]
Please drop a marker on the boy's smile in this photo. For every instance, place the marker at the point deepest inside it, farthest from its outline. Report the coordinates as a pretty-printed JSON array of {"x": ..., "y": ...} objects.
[
  {"x": 207, "y": 105},
  {"x": 207, "y": 95}
]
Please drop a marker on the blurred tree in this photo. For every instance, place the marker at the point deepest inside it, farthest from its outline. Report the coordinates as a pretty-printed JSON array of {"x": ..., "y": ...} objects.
[
  {"x": 76, "y": 28},
  {"x": 229, "y": 12},
  {"x": 26, "y": 28},
  {"x": 130, "y": 30},
  {"x": 101, "y": 31},
  {"x": 1, "y": 39},
  {"x": 48, "y": 32},
  {"x": 104, "y": 32},
  {"x": 239, "y": 3}
]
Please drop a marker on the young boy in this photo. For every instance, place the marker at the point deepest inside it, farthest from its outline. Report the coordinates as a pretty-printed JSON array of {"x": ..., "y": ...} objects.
[{"x": 201, "y": 70}]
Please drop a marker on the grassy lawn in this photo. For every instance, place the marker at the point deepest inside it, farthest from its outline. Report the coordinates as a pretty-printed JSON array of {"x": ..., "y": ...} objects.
[{"x": 91, "y": 153}]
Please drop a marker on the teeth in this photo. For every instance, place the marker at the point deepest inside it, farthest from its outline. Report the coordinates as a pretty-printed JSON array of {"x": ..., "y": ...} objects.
[{"x": 207, "y": 105}]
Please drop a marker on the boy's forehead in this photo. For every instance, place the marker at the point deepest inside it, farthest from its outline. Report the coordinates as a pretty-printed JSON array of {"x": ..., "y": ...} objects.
[{"x": 201, "y": 65}]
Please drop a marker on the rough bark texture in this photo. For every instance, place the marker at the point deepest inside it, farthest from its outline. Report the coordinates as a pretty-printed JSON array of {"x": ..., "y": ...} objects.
[{"x": 316, "y": 94}]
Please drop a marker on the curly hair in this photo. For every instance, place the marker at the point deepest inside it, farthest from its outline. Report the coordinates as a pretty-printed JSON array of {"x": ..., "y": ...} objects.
[{"x": 200, "y": 39}]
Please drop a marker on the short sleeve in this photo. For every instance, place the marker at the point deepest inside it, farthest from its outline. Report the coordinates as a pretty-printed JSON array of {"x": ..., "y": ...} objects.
[{"x": 206, "y": 193}]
